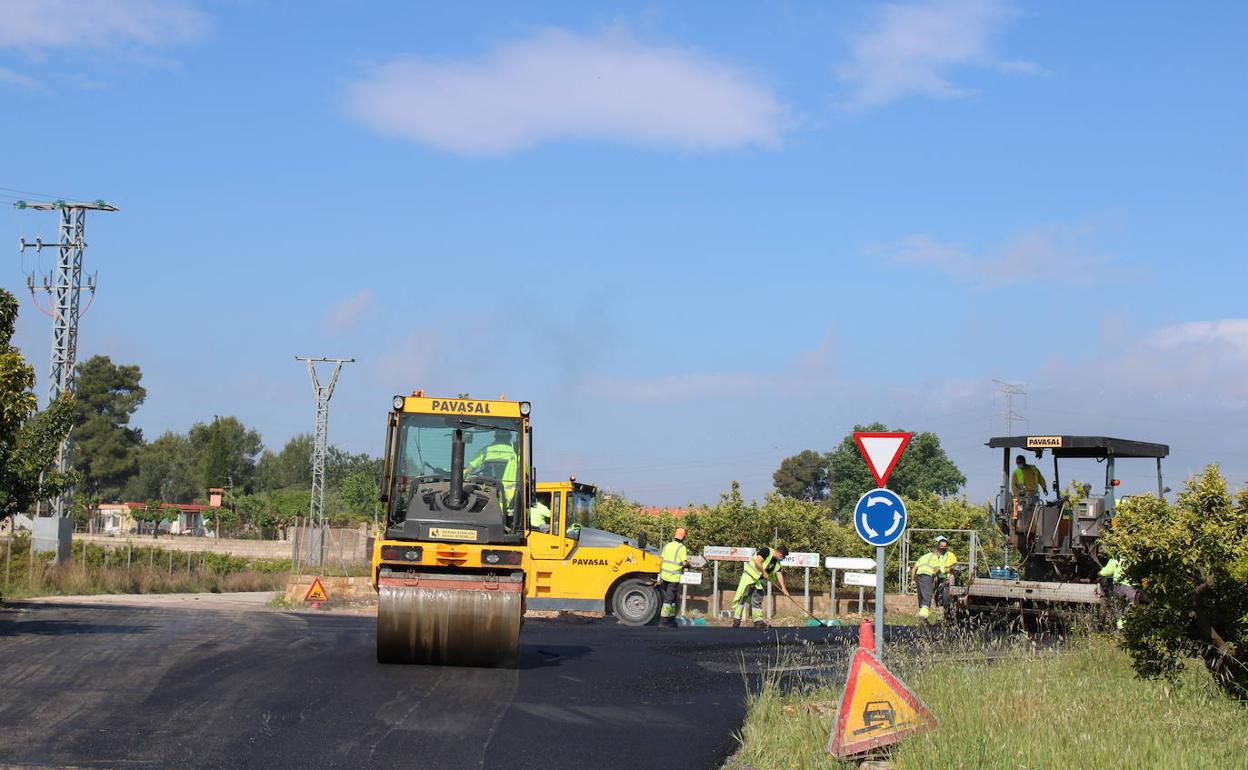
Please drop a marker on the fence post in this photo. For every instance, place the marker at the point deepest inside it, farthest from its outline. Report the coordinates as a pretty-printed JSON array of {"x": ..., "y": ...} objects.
[
  {"x": 770, "y": 601},
  {"x": 832, "y": 596},
  {"x": 807, "y": 582},
  {"x": 860, "y": 604},
  {"x": 684, "y": 597},
  {"x": 8, "y": 563},
  {"x": 30, "y": 574},
  {"x": 171, "y": 563},
  {"x": 715, "y": 589}
]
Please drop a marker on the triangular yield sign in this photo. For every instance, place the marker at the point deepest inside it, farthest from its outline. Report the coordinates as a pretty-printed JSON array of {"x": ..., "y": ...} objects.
[
  {"x": 876, "y": 709},
  {"x": 317, "y": 592},
  {"x": 881, "y": 451}
]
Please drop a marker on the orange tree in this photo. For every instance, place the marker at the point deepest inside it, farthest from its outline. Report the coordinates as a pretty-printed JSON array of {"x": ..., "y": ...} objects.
[{"x": 1191, "y": 560}]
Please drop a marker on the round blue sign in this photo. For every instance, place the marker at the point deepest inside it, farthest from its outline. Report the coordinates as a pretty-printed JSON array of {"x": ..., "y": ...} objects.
[{"x": 880, "y": 517}]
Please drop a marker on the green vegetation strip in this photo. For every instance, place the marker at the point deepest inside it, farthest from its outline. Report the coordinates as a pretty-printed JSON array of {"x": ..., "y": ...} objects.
[
  {"x": 1082, "y": 707},
  {"x": 132, "y": 570}
]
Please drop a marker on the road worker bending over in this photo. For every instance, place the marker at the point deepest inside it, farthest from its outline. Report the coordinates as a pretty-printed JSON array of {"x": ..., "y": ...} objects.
[
  {"x": 764, "y": 566},
  {"x": 675, "y": 559},
  {"x": 932, "y": 569}
]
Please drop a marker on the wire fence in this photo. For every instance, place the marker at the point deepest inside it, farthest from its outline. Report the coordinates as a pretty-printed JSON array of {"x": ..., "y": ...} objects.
[{"x": 330, "y": 550}]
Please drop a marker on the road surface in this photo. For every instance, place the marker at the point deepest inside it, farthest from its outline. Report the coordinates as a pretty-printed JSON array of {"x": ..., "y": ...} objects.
[{"x": 224, "y": 683}]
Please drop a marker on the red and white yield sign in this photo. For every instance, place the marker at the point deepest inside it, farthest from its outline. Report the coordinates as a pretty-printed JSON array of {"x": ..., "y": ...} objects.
[{"x": 881, "y": 451}]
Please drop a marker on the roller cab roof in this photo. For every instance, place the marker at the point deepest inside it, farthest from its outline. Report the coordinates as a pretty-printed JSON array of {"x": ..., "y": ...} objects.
[{"x": 1081, "y": 446}]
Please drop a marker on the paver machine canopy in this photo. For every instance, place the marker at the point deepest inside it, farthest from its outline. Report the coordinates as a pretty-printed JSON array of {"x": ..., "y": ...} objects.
[{"x": 1058, "y": 540}]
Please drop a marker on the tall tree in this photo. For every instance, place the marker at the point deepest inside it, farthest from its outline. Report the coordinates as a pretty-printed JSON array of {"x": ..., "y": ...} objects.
[
  {"x": 28, "y": 438},
  {"x": 340, "y": 464},
  {"x": 923, "y": 468},
  {"x": 291, "y": 467},
  {"x": 359, "y": 493},
  {"x": 804, "y": 476},
  {"x": 224, "y": 449},
  {"x": 166, "y": 471},
  {"x": 105, "y": 448}
]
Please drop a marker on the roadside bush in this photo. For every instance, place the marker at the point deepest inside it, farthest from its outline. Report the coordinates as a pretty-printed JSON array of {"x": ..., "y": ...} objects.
[{"x": 1191, "y": 560}]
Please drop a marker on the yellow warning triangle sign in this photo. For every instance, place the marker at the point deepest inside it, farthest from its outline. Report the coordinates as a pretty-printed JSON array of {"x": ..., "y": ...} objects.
[
  {"x": 876, "y": 709},
  {"x": 316, "y": 593}
]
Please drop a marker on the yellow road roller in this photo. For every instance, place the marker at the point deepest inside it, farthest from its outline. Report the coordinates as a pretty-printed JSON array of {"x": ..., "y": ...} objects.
[{"x": 459, "y": 559}]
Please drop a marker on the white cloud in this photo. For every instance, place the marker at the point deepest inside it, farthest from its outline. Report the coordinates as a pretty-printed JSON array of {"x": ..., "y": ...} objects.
[
  {"x": 17, "y": 79},
  {"x": 914, "y": 49},
  {"x": 561, "y": 85},
  {"x": 411, "y": 362},
  {"x": 350, "y": 311},
  {"x": 1200, "y": 359},
  {"x": 810, "y": 370},
  {"x": 98, "y": 24},
  {"x": 1045, "y": 253}
]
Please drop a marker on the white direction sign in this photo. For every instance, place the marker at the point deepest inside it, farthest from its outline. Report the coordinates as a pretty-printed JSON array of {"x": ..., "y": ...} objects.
[
  {"x": 801, "y": 560},
  {"x": 848, "y": 562},
  {"x": 860, "y": 578},
  {"x": 691, "y": 578},
  {"x": 727, "y": 553}
]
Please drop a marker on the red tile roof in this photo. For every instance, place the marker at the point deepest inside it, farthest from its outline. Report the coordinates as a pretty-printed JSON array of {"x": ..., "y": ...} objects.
[{"x": 679, "y": 513}]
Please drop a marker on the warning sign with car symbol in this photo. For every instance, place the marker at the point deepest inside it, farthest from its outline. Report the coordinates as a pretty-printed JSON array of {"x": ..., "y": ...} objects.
[{"x": 875, "y": 710}]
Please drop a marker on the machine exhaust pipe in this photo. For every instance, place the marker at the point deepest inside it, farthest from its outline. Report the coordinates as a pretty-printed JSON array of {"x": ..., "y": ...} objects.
[{"x": 455, "y": 498}]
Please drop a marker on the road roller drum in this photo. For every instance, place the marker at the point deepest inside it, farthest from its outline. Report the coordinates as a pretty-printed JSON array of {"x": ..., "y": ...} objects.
[{"x": 450, "y": 620}]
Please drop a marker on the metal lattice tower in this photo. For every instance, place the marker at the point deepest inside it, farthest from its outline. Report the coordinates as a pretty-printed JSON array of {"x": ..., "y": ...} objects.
[
  {"x": 320, "y": 443},
  {"x": 1010, "y": 390},
  {"x": 64, "y": 288}
]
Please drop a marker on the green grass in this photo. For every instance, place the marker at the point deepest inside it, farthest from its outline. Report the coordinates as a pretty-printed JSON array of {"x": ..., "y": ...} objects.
[
  {"x": 1078, "y": 708},
  {"x": 138, "y": 570}
]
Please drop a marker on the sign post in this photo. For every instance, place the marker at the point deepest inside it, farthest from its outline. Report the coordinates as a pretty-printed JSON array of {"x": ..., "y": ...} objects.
[
  {"x": 805, "y": 561},
  {"x": 715, "y": 554},
  {"x": 845, "y": 563},
  {"x": 880, "y": 515}
]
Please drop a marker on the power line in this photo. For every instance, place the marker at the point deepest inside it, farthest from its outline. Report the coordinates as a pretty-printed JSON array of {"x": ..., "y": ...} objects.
[
  {"x": 64, "y": 289},
  {"x": 1011, "y": 390},
  {"x": 320, "y": 444}
]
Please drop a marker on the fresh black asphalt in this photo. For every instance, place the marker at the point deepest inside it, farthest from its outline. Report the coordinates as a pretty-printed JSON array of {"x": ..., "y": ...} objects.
[{"x": 120, "y": 687}]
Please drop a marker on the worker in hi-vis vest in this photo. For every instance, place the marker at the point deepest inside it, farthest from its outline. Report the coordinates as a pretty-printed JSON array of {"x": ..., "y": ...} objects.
[
  {"x": 539, "y": 516},
  {"x": 764, "y": 566},
  {"x": 675, "y": 559},
  {"x": 929, "y": 570},
  {"x": 1026, "y": 479},
  {"x": 501, "y": 460}
]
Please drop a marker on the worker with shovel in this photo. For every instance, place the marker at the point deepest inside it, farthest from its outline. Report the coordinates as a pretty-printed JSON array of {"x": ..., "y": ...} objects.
[{"x": 764, "y": 566}]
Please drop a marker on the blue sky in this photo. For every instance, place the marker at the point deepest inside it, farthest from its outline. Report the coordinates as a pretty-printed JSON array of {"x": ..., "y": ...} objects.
[{"x": 697, "y": 236}]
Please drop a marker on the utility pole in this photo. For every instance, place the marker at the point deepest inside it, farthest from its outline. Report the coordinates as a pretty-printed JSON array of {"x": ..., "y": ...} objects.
[
  {"x": 64, "y": 289},
  {"x": 320, "y": 443},
  {"x": 1011, "y": 390}
]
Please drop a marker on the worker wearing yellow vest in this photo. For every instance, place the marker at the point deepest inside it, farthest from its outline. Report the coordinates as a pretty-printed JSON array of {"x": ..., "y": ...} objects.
[
  {"x": 931, "y": 568},
  {"x": 1114, "y": 583},
  {"x": 1026, "y": 479},
  {"x": 1115, "y": 573},
  {"x": 675, "y": 559},
  {"x": 500, "y": 452},
  {"x": 764, "y": 566},
  {"x": 539, "y": 516}
]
